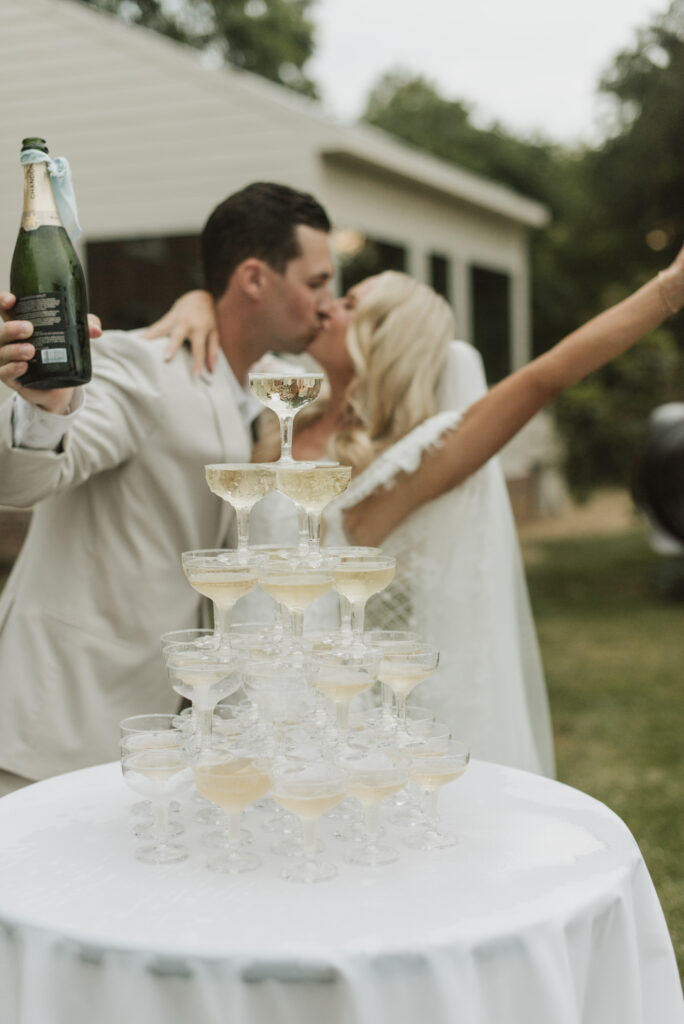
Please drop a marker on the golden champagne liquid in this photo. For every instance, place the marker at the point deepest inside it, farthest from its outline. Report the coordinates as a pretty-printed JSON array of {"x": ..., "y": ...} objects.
[
  {"x": 223, "y": 586},
  {"x": 402, "y": 676},
  {"x": 370, "y": 790},
  {"x": 308, "y": 805},
  {"x": 296, "y": 590},
  {"x": 357, "y": 581},
  {"x": 313, "y": 487},
  {"x": 431, "y": 780},
  {"x": 342, "y": 687},
  {"x": 234, "y": 784},
  {"x": 286, "y": 393},
  {"x": 242, "y": 486},
  {"x": 200, "y": 677}
]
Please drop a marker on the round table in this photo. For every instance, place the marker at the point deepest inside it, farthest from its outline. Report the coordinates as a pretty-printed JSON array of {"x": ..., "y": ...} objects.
[{"x": 544, "y": 913}]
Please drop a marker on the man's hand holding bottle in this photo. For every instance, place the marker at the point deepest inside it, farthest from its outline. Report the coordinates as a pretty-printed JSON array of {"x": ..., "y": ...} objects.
[{"x": 16, "y": 349}]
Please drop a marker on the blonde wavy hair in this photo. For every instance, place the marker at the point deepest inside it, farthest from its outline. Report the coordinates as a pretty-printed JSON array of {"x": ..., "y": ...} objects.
[{"x": 398, "y": 341}]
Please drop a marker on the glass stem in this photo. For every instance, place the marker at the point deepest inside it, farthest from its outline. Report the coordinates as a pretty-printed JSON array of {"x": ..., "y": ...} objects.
[
  {"x": 160, "y": 820},
  {"x": 242, "y": 517},
  {"x": 342, "y": 710},
  {"x": 309, "y": 838},
  {"x": 286, "y": 429},
  {"x": 431, "y": 798},
  {"x": 233, "y": 828},
  {"x": 358, "y": 609},
  {"x": 303, "y": 530},
  {"x": 400, "y": 698},
  {"x": 387, "y": 717},
  {"x": 222, "y": 624},
  {"x": 204, "y": 722},
  {"x": 345, "y": 617},
  {"x": 372, "y": 812},
  {"x": 314, "y": 523},
  {"x": 297, "y": 618}
]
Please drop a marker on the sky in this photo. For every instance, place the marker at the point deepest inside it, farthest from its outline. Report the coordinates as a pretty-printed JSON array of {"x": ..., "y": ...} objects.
[{"x": 532, "y": 65}]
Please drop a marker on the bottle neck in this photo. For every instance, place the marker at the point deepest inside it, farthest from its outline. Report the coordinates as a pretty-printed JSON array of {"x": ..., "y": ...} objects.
[{"x": 39, "y": 202}]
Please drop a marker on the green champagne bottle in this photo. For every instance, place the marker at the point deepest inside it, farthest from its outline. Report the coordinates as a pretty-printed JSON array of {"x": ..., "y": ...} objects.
[{"x": 49, "y": 284}]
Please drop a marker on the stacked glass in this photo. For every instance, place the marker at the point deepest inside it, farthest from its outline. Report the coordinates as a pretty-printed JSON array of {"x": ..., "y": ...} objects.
[{"x": 270, "y": 703}]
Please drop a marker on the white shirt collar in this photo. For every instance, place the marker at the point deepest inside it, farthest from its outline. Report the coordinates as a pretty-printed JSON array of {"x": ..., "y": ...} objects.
[{"x": 248, "y": 406}]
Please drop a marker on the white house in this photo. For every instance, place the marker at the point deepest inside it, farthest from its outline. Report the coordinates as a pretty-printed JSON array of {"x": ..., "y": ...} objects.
[{"x": 155, "y": 139}]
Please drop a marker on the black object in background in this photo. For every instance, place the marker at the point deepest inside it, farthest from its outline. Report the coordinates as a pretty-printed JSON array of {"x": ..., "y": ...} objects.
[{"x": 658, "y": 486}]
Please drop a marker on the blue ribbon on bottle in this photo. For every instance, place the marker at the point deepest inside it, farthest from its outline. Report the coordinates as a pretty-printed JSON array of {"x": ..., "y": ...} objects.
[{"x": 63, "y": 190}]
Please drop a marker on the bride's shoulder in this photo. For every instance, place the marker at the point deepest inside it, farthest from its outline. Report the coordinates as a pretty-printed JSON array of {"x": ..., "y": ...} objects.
[{"x": 404, "y": 456}]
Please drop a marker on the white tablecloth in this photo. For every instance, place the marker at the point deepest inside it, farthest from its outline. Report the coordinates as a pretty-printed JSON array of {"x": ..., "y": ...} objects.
[{"x": 543, "y": 914}]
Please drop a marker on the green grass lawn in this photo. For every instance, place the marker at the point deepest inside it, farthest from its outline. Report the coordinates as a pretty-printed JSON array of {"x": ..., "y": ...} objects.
[{"x": 613, "y": 649}]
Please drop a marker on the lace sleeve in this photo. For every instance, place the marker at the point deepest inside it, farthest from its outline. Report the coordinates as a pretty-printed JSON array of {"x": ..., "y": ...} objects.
[{"x": 403, "y": 457}]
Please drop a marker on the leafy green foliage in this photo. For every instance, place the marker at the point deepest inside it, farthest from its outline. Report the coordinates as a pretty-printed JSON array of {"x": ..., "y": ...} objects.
[
  {"x": 602, "y": 418},
  {"x": 617, "y": 217},
  {"x": 273, "y": 38}
]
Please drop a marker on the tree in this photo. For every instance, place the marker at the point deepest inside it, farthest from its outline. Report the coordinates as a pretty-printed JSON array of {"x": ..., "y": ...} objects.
[
  {"x": 412, "y": 108},
  {"x": 273, "y": 38},
  {"x": 617, "y": 216}
]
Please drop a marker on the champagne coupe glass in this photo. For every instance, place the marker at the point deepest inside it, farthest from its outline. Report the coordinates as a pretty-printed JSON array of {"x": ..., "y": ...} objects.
[
  {"x": 285, "y": 395},
  {"x": 373, "y": 777},
  {"x": 309, "y": 790},
  {"x": 150, "y": 732},
  {"x": 403, "y": 669},
  {"x": 205, "y": 638},
  {"x": 256, "y": 639},
  {"x": 432, "y": 773},
  {"x": 158, "y": 775},
  {"x": 280, "y": 690},
  {"x": 342, "y": 675},
  {"x": 203, "y": 677},
  {"x": 233, "y": 780},
  {"x": 360, "y": 573},
  {"x": 311, "y": 486},
  {"x": 389, "y": 639},
  {"x": 242, "y": 485},
  {"x": 222, "y": 576},
  {"x": 296, "y": 583}
]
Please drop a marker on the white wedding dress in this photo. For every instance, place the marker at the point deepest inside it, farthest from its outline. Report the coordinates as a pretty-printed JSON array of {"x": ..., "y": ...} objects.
[{"x": 459, "y": 583}]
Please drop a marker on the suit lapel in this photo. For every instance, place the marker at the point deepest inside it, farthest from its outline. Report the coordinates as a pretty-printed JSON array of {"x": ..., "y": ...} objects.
[{"x": 234, "y": 439}]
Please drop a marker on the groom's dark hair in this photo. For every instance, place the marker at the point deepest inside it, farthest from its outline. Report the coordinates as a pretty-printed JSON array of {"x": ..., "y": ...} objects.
[{"x": 259, "y": 221}]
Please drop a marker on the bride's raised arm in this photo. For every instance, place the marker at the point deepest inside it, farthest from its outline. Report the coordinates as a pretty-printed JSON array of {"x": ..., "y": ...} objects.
[{"x": 494, "y": 419}]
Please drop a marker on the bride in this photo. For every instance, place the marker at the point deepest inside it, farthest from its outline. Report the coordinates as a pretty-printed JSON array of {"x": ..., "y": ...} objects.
[{"x": 408, "y": 408}]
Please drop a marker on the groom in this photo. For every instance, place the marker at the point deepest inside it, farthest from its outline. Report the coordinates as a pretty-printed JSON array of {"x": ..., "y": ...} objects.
[{"x": 117, "y": 479}]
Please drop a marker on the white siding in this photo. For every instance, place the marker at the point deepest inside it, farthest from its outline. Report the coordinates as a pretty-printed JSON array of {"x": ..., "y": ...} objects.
[{"x": 155, "y": 141}]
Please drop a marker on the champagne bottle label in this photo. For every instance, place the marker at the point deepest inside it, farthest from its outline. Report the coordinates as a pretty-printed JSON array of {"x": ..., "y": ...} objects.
[
  {"x": 46, "y": 313},
  {"x": 39, "y": 202}
]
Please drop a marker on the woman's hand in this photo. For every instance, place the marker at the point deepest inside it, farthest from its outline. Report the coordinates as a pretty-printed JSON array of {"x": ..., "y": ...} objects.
[
  {"x": 672, "y": 284},
  {"x": 16, "y": 349},
  {"x": 191, "y": 317}
]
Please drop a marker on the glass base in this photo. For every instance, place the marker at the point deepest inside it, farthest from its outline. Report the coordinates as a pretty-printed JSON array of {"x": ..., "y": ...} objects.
[
  {"x": 430, "y": 839},
  {"x": 145, "y": 829},
  {"x": 166, "y": 853},
  {"x": 373, "y": 855},
  {"x": 293, "y": 846},
  {"x": 234, "y": 863},
  {"x": 220, "y": 839},
  {"x": 310, "y": 871},
  {"x": 210, "y": 815},
  {"x": 143, "y": 808}
]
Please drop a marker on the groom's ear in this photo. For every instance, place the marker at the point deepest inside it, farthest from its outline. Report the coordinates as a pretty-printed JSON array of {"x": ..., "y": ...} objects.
[{"x": 251, "y": 276}]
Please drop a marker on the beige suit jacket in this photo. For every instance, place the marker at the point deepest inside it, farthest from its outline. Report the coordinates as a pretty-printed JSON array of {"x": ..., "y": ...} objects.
[{"x": 99, "y": 577}]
